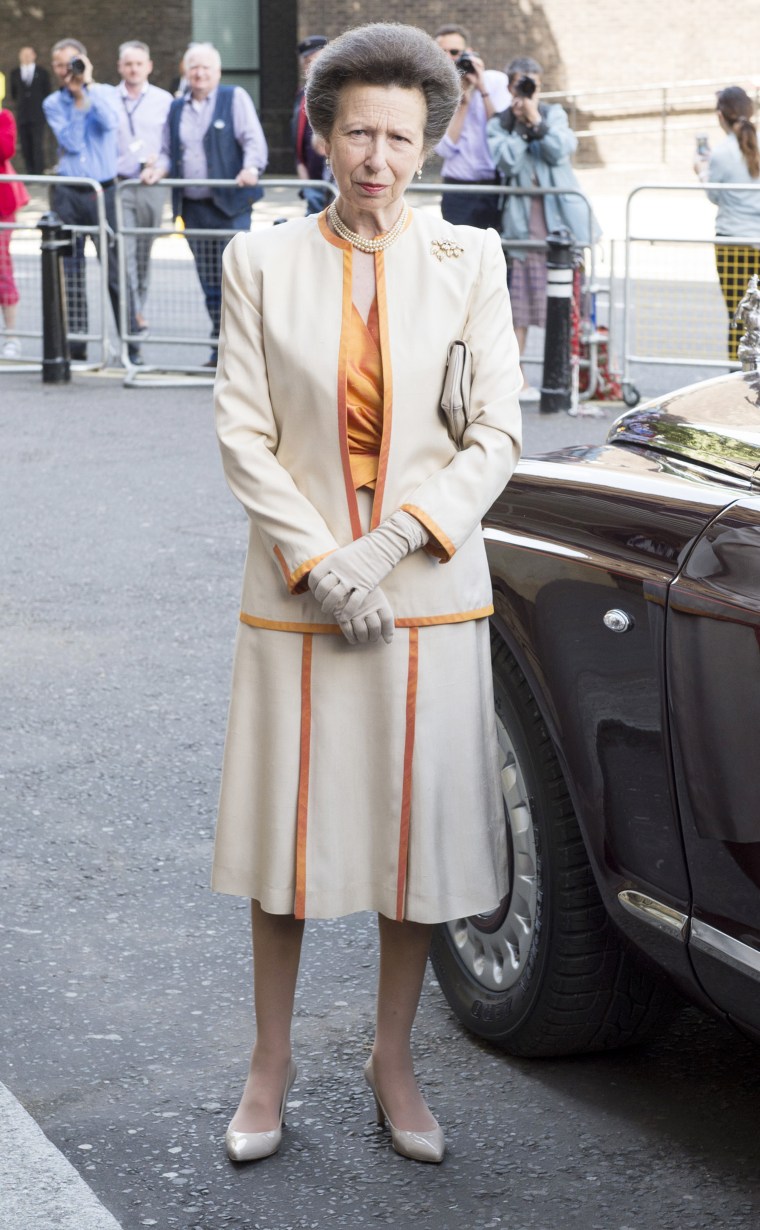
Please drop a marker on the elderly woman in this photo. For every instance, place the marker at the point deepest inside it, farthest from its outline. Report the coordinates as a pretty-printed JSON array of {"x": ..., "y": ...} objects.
[{"x": 361, "y": 768}]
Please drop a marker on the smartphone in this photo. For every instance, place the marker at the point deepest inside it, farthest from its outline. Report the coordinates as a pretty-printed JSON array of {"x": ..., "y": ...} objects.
[{"x": 703, "y": 147}]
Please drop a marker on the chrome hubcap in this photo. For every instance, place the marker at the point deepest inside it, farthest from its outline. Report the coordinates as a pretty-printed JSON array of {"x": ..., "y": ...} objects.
[{"x": 495, "y": 947}]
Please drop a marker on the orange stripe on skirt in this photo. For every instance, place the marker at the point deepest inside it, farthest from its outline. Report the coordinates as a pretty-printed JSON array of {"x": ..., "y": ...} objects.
[
  {"x": 406, "y": 795},
  {"x": 299, "y": 908}
]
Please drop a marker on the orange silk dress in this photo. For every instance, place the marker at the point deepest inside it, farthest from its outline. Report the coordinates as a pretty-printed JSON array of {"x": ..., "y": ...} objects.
[{"x": 364, "y": 397}]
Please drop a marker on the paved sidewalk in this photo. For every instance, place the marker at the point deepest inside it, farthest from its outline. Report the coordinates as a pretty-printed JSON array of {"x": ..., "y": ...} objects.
[{"x": 40, "y": 1189}]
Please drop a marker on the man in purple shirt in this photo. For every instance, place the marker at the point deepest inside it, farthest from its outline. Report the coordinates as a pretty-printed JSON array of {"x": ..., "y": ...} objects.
[
  {"x": 143, "y": 110},
  {"x": 213, "y": 132},
  {"x": 464, "y": 149}
]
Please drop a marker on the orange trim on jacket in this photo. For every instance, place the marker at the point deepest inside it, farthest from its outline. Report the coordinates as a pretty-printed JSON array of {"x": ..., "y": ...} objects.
[
  {"x": 387, "y": 370},
  {"x": 345, "y": 342},
  {"x": 443, "y": 548},
  {"x": 385, "y": 349},
  {"x": 298, "y": 581},
  {"x": 335, "y": 240}
]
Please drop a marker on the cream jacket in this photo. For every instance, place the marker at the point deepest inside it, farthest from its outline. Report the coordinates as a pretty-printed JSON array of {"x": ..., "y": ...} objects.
[{"x": 280, "y": 399}]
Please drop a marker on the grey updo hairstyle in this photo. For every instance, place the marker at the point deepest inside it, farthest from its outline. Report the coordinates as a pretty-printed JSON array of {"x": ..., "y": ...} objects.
[{"x": 384, "y": 54}]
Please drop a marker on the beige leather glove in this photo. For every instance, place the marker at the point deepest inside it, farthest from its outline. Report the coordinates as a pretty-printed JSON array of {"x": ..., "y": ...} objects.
[{"x": 342, "y": 581}]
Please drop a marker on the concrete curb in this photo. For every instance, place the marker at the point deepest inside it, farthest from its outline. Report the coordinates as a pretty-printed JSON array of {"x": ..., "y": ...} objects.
[{"x": 40, "y": 1189}]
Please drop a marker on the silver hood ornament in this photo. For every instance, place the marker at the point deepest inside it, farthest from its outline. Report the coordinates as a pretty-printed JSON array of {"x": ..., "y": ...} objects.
[{"x": 748, "y": 315}]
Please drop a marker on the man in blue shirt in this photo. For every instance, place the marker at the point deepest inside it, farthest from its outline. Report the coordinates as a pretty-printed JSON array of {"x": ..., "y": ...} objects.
[{"x": 85, "y": 120}]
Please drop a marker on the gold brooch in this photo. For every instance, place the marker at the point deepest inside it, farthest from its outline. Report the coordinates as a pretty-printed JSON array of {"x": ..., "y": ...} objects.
[{"x": 445, "y": 247}]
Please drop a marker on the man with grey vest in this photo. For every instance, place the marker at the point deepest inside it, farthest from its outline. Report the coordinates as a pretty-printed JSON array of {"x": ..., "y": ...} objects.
[{"x": 212, "y": 132}]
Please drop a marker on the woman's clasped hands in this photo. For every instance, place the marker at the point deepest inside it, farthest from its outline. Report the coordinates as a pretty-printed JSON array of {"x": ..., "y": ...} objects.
[{"x": 346, "y": 584}]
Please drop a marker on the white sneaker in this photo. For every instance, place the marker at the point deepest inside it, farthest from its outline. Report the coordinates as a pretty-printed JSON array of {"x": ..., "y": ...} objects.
[{"x": 11, "y": 349}]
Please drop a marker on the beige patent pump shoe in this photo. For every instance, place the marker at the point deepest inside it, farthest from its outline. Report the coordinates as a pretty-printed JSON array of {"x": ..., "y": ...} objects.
[
  {"x": 419, "y": 1146},
  {"x": 252, "y": 1146}
]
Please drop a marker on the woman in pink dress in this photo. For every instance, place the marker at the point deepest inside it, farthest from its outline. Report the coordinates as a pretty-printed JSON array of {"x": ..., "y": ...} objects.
[{"x": 12, "y": 197}]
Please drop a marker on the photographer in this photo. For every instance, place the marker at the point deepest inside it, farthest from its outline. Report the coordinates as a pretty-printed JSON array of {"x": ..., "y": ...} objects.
[
  {"x": 531, "y": 144},
  {"x": 85, "y": 120},
  {"x": 464, "y": 149}
]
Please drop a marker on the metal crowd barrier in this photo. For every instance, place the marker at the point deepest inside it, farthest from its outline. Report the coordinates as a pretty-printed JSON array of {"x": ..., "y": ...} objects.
[
  {"x": 674, "y": 313},
  {"x": 178, "y": 338},
  {"x": 88, "y": 279}
]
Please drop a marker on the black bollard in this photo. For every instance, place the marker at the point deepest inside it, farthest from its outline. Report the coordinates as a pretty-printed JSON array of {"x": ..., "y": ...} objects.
[
  {"x": 556, "y": 389},
  {"x": 56, "y": 243}
]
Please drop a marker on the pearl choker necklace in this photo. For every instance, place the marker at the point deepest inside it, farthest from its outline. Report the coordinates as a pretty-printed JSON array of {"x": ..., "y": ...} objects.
[{"x": 359, "y": 241}]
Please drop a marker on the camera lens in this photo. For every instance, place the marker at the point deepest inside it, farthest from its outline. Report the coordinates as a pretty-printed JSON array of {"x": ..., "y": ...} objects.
[
  {"x": 76, "y": 66},
  {"x": 464, "y": 63}
]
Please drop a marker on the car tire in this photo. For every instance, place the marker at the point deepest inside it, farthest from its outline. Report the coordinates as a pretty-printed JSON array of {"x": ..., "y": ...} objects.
[{"x": 547, "y": 973}]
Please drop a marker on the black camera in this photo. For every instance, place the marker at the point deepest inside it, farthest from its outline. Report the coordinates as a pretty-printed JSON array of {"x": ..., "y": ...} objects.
[
  {"x": 77, "y": 67},
  {"x": 526, "y": 87},
  {"x": 464, "y": 63}
]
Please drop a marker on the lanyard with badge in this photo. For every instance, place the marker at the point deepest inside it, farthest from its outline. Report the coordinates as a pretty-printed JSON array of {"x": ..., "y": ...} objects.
[{"x": 136, "y": 143}]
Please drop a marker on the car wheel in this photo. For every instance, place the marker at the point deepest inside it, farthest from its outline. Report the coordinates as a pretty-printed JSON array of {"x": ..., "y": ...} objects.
[{"x": 546, "y": 973}]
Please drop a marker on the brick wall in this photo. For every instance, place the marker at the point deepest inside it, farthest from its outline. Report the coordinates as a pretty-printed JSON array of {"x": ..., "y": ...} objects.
[
  {"x": 166, "y": 26},
  {"x": 579, "y": 43},
  {"x": 101, "y": 25}
]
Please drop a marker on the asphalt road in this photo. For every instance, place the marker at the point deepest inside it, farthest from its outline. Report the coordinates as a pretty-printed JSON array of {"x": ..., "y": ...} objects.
[{"x": 125, "y": 1020}]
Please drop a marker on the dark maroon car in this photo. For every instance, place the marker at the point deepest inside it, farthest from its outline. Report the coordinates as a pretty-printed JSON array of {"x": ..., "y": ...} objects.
[{"x": 626, "y": 657}]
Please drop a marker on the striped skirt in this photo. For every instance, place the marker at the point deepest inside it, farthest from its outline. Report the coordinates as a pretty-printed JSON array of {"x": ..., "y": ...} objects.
[{"x": 363, "y": 777}]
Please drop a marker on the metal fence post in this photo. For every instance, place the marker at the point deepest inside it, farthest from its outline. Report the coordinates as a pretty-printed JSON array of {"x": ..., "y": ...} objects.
[
  {"x": 556, "y": 390},
  {"x": 55, "y": 244}
]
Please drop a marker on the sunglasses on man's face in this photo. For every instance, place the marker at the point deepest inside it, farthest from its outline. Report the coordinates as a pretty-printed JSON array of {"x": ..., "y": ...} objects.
[{"x": 455, "y": 51}]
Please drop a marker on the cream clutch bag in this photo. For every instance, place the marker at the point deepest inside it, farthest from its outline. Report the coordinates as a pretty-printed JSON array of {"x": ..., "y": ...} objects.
[{"x": 455, "y": 398}]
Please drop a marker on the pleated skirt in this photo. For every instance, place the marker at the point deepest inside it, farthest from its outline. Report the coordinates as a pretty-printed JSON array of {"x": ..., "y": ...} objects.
[{"x": 363, "y": 777}]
